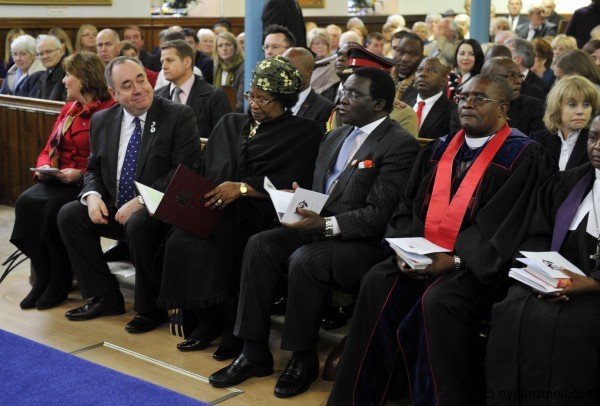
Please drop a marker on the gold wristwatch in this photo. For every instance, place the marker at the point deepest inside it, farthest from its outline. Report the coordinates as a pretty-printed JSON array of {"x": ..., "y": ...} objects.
[
  {"x": 243, "y": 189},
  {"x": 141, "y": 200}
]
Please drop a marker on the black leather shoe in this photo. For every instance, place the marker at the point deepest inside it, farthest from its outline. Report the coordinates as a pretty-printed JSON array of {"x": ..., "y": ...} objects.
[
  {"x": 197, "y": 344},
  {"x": 53, "y": 296},
  {"x": 336, "y": 317},
  {"x": 296, "y": 378},
  {"x": 97, "y": 307},
  {"x": 224, "y": 353},
  {"x": 240, "y": 370},
  {"x": 117, "y": 252},
  {"x": 144, "y": 322}
]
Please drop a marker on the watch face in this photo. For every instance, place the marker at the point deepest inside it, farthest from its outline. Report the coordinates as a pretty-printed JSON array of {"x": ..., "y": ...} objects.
[{"x": 243, "y": 189}]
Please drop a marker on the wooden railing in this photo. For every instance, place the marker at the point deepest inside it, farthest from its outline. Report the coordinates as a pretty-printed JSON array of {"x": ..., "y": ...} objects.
[{"x": 25, "y": 125}]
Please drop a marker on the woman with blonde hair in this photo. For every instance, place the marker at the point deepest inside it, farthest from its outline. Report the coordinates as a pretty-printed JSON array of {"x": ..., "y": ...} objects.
[
  {"x": 570, "y": 105},
  {"x": 86, "y": 38},
  {"x": 229, "y": 66},
  {"x": 7, "y": 62},
  {"x": 562, "y": 44}
]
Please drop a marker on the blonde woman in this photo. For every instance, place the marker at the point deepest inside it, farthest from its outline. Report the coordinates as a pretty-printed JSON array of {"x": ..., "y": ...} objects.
[
  {"x": 86, "y": 38},
  {"x": 7, "y": 62},
  {"x": 229, "y": 66}
]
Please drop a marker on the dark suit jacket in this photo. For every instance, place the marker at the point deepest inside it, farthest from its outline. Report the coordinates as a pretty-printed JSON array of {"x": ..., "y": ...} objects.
[
  {"x": 206, "y": 66},
  {"x": 555, "y": 18},
  {"x": 170, "y": 138},
  {"x": 151, "y": 61},
  {"x": 437, "y": 122},
  {"x": 331, "y": 92},
  {"x": 317, "y": 108},
  {"x": 550, "y": 140},
  {"x": 534, "y": 80},
  {"x": 46, "y": 85},
  {"x": 288, "y": 14},
  {"x": 547, "y": 29},
  {"x": 582, "y": 22},
  {"x": 363, "y": 200},
  {"x": 410, "y": 95},
  {"x": 209, "y": 104},
  {"x": 526, "y": 114}
]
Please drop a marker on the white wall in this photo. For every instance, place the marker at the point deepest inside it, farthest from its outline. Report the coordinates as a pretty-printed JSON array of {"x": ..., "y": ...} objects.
[{"x": 119, "y": 8}]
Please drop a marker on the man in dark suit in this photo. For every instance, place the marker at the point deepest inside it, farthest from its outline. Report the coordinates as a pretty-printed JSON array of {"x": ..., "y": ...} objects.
[
  {"x": 144, "y": 138},
  {"x": 135, "y": 35},
  {"x": 523, "y": 54},
  {"x": 201, "y": 60},
  {"x": 407, "y": 49},
  {"x": 537, "y": 27},
  {"x": 432, "y": 105},
  {"x": 525, "y": 113},
  {"x": 287, "y": 13},
  {"x": 514, "y": 14},
  {"x": 209, "y": 103},
  {"x": 310, "y": 104},
  {"x": 47, "y": 84},
  {"x": 363, "y": 167}
]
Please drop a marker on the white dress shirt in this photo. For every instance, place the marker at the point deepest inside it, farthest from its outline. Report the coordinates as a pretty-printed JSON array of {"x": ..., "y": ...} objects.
[
  {"x": 566, "y": 148},
  {"x": 429, "y": 102}
]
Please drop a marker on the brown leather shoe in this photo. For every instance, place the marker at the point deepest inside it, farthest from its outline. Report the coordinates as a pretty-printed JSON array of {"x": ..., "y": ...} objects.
[{"x": 333, "y": 360}]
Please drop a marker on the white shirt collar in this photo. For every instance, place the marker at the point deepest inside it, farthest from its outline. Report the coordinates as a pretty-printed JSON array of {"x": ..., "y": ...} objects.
[
  {"x": 369, "y": 128},
  {"x": 186, "y": 87},
  {"x": 473, "y": 142},
  {"x": 128, "y": 118},
  {"x": 430, "y": 100}
]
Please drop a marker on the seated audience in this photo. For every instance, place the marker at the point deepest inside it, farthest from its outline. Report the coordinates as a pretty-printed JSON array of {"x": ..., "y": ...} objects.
[
  {"x": 446, "y": 41},
  {"x": 468, "y": 60},
  {"x": 569, "y": 109},
  {"x": 544, "y": 55},
  {"x": 202, "y": 275},
  {"x": 85, "y": 39},
  {"x": 47, "y": 84},
  {"x": 35, "y": 231},
  {"x": 592, "y": 47},
  {"x": 277, "y": 39},
  {"x": 334, "y": 32},
  {"x": 310, "y": 104},
  {"x": 7, "y": 62},
  {"x": 323, "y": 76},
  {"x": 577, "y": 62},
  {"x": 130, "y": 50},
  {"x": 503, "y": 36},
  {"x": 422, "y": 30},
  {"x": 241, "y": 39},
  {"x": 319, "y": 43},
  {"x": 537, "y": 27},
  {"x": 547, "y": 343},
  {"x": 161, "y": 81},
  {"x": 22, "y": 50},
  {"x": 65, "y": 40},
  {"x": 486, "y": 177},
  {"x": 433, "y": 108},
  {"x": 562, "y": 44},
  {"x": 362, "y": 166},
  {"x": 408, "y": 51},
  {"x": 135, "y": 35},
  {"x": 155, "y": 136},
  {"x": 208, "y": 103},
  {"x": 229, "y": 66},
  {"x": 497, "y": 25},
  {"x": 374, "y": 43},
  {"x": 222, "y": 25},
  {"x": 464, "y": 22}
]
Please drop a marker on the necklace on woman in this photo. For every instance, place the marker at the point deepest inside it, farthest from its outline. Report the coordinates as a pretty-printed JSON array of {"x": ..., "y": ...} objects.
[{"x": 596, "y": 256}]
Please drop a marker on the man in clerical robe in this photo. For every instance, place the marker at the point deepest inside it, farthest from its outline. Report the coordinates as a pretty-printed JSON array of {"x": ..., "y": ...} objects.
[{"x": 472, "y": 193}]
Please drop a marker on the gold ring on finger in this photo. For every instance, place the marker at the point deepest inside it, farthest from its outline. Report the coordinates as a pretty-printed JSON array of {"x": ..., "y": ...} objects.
[{"x": 219, "y": 202}]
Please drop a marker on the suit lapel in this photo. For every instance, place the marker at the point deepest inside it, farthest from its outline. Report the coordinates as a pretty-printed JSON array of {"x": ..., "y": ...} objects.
[
  {"x": 151, "y": 128},
  {"x": 112, "y": 134},
  {"x": 310, "y": 99},
  {"x": 432, "y": 117},
  {"x": 322, "y": 172}
]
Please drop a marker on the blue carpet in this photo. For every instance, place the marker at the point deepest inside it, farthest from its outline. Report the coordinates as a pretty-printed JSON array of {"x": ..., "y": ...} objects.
[{"x": 34, "y": 374}]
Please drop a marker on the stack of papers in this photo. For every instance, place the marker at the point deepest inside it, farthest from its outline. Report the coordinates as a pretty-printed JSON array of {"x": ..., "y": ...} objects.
[
  {"x": 543, "y": 271},
  {"x": 414, "y": 250},
  {"x": 286, "y": 203}
]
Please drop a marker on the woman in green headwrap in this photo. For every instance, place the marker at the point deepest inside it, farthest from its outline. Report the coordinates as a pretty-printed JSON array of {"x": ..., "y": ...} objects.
[
  {"x": 229, "y": 66},
  {"x": 202, "y": 275}
]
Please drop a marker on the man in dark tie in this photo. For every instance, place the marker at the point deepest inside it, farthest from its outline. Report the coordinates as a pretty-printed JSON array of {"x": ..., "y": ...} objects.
[
  {"x": 362, "y": 166},
  {"x": 209, "y": 103},
  {"x": 432, "y": 105},
  {"x": 144, "y": 138}
]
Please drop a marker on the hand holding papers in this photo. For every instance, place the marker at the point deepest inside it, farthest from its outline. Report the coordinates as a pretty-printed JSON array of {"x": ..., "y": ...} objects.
[
  {"x": 286, "y": 203},
  {"x": 45, "y": 170},
  {"x": 543, "y": 271},
  {"x": 414, "y": 251}
]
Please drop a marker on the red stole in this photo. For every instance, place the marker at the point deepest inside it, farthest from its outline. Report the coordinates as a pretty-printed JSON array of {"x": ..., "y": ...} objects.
[{"x": 445, "y": 216}]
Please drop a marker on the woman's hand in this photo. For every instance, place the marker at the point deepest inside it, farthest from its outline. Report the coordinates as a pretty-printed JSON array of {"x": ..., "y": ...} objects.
[
  {"x": 69, "y": 175},
  {"x": 223, "y": 195},
  {"x": 579, "y": 284}
]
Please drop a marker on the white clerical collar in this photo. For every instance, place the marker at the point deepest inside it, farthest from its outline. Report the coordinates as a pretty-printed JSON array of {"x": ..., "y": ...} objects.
[{"x": 475, "y": 143}]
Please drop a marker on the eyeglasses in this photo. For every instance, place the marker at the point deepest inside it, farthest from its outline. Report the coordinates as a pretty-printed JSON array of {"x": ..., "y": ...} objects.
[
  {"x": 261, "y": 102},
  {"x": 478, "y": 101},
  {"x": 351, "y": 95},
  {"x": 512, "y": 76},
  {"x": 273, "y": 47},
  {"x": 45, "y": 53}
]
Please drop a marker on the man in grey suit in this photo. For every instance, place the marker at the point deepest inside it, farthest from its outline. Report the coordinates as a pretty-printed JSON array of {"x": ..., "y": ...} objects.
[
  {"x": 310, "y": 104},
  {"x": 209, "y": 103},
  {"x": 144, "y": 138},
  {"x": 363, "y": 167}
]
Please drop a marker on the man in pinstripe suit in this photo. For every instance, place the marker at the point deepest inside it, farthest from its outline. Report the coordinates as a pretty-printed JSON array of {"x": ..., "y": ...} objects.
[{"x": 363, "y": 166}]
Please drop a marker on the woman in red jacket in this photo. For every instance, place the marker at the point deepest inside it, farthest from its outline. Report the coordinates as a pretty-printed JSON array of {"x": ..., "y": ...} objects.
[{"x": 59, "y": 177}]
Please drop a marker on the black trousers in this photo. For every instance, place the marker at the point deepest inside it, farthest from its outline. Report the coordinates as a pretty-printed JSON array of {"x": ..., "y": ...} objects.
[
  {"x": 313, "y": 266},
  {"x": 143, "y": 234}
]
